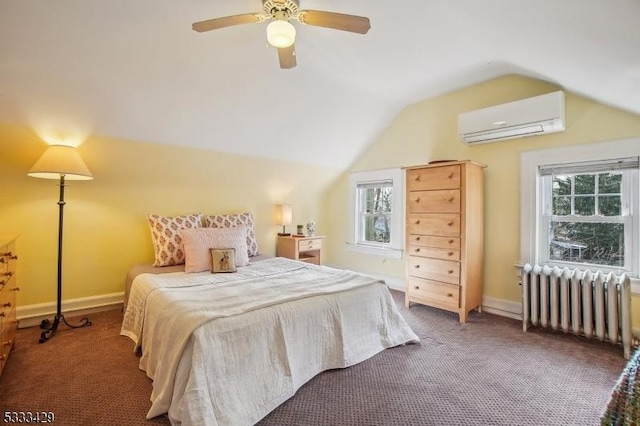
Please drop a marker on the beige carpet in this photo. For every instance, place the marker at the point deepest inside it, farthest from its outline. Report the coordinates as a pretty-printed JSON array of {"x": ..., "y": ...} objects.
[{"x": 486, "y": 372}]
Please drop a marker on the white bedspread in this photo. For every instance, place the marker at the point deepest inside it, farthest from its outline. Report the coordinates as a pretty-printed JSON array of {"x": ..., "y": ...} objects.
[{"x": 224, "y": 349}]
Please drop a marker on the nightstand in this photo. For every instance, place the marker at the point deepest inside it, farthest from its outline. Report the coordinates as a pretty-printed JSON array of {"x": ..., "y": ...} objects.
[{"x": 305, "y": 249}]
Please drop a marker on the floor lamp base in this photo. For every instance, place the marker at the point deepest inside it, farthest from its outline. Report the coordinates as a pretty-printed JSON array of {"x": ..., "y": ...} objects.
[{"x": 51, "y": 327}]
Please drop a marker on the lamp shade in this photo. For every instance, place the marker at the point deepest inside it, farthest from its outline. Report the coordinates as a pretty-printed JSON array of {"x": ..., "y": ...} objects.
[
  {"x": 281, "y": 33},
  {"x": 60, "y": 160},
  {"x": 284, "y": 214}
]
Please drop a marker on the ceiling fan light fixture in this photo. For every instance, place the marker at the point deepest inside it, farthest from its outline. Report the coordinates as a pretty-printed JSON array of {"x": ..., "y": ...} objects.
[{"x": 281, "y": 33}]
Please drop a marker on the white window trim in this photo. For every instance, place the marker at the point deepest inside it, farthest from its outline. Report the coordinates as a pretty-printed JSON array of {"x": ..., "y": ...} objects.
[
  {"x": 395, "y": 248},
  {"x": 530, "y": 189}
]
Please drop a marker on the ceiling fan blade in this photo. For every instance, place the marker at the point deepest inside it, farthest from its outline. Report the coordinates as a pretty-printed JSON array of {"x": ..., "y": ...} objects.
[
  {"x": 337, "y": 21},
  {"x": 287, "y": 57},
  {"x": 227, "y": 21}
]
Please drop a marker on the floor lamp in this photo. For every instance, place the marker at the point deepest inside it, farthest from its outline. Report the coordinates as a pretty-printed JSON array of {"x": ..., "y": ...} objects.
[{"x": 64, "y": 163}]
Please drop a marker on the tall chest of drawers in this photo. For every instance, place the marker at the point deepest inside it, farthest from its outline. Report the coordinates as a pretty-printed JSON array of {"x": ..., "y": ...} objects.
[
  {"x": 444, "y": 236},
  {"x": 8, "y": 290}
]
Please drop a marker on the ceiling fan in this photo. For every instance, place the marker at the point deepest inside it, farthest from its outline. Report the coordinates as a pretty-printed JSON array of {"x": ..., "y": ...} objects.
[{"x": 280, "y": 32}]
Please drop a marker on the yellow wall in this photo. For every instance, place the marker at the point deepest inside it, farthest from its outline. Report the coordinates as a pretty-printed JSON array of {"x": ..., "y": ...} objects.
[
  {"x": 105, "y": 228},
  {"x": 427, "y": 131}
]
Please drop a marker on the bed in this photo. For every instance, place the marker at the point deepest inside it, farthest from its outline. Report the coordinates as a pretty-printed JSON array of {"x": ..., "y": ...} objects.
[{"x": 227, "y": 349}]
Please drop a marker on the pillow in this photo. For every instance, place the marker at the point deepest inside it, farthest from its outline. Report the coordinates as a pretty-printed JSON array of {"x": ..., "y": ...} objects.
[
  {"x": 166, "y": 238},
  {"x": 223, "y": 260},
  {"x": 199, "y": 242},
  {"x": 231, "y": 220}
]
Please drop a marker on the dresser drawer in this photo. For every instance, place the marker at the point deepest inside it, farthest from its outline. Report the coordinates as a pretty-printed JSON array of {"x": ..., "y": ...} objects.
[
  {"x": 442, "y": 201},
  {"x": 439, "y": 224},
  {"x": 434, "y": 252},
  {"x": 446, "y": 177},
  {"x": 433, "y": 241},
  {"x": 431, "y": 292},
  {"x": 314, "y": 244},
  {"x": 446, "y": 271}
]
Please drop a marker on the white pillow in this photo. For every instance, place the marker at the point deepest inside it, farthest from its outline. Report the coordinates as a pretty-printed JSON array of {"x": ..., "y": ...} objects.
[{"x": 198, "y": 243}]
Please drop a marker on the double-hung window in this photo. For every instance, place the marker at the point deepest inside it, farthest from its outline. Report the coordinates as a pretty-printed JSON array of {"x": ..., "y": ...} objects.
[
  {"x": 586, "y": 213},
  {"x": 376, "y": 212},
  {"x": 580, "y": 207}
]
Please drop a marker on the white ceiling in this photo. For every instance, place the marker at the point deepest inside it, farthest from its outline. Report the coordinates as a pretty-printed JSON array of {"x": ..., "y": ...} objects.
[{"x": 136, "y": 69}]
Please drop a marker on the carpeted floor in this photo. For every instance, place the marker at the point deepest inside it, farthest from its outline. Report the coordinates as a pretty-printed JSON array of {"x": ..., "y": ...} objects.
[{"x": 485, "y": 372}]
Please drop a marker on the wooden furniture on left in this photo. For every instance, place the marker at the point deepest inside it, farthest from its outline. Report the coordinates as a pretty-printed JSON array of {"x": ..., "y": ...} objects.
[
  {"x": 306, "y": 249},
  {"x": 8, "y": 289}
]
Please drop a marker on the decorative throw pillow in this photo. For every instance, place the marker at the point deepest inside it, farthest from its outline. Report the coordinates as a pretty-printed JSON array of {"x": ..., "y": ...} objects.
[
  {"x": 223, "y": 260},
  {"x": 166, "y": 238},
  {"x": 230, "y": 220},
  {"x": 199, "y": 242}
]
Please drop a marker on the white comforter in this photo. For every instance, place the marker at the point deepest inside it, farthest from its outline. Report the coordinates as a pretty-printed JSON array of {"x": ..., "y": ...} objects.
[{"x": 225, "y": 349}]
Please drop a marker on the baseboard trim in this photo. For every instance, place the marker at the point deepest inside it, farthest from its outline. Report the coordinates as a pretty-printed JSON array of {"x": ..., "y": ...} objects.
[{"x": 32, "y": 315}]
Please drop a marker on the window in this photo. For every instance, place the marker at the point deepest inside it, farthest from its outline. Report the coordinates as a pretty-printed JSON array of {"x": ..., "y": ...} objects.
[
  {"x": 376, "y": 212},
  {"x": 582, "y": 213}
]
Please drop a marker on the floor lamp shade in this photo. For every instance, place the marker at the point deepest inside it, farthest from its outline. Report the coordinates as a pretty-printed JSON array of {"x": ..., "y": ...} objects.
[
  {"x": 60, "y": 162},
  {"x": 284, "y": 217}
]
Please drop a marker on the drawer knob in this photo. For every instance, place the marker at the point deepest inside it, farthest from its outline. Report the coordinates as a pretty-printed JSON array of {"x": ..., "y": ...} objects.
[
  {"x": 450, "y": 253},
  {"x": 451, "y": 241},
  {"x": 416, "y": 287},
  {"x": 3, "y": 357},
  {"x": 418, "y": 200},
  {"x": 8, "y": 343},
  {"x": 451, "y": 176},
  {"x": 449, "y": 295},
  {"x": 450, "y": 271},
  {"x": 15, "y": 289},
  {"x": 7, "y": 274},
  {"x": 418, "y": 222},
  {"x": 417, "y": 179},
  {"x": 2, "y": 314},
  {"x": 451, "y": 199},
  {"x": 418, "y": 250},
  {"x": 417, "y": 238},
  {"x": 449, "y": 223},
  {"x": 7, "y": 305},
  {"x": 417, "y": 266}
]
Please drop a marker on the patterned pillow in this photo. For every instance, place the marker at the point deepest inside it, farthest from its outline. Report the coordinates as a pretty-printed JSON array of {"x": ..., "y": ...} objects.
[
  {"x": 199, "y": 242},
  {"x": 231, "y": 220},
  {"x": 167, "y": 241}
]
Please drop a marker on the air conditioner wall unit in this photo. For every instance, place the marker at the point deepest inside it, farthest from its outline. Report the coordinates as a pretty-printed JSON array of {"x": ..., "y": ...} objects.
[{"x": 526, "y": 117}]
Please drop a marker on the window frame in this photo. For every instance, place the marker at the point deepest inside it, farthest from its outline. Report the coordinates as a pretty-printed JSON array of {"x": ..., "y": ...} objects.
[
  {"x": 395, "y": 247},
  {"x": 532, "y": 223}
]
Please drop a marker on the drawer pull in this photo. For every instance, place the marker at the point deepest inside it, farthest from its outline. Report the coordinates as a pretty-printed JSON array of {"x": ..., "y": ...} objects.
[
  {"x": 2, "y": 314},
  {"x": 8, "y": 343},
  {"x": 418, "y": 222},
  {"x": 451, "y": 199},
  {"x": 449, "y": 223},
  {"x": 449, "y": 295},
  {"x": 416, "y": 287},
  {"x": 418, "y": 250},
  {"x": 450, "y": 253},
  {"x": 15, "y": 289},
  {"x": 417, "y": 266},
  {"x": 450, "y": 271},
  {"x": 417, "y": 238},
  {"x": 9, "y": 255},
  {"x": 7, "y": 305},
  {"x": 451, "y": 241},
  {"x": 417, "y": 179},
  {"x": 7, "y": 274},
  {"x": 418, "y": 200},
  {"x": 451, "y": 176},
  {"x": 3, "y": 357}
]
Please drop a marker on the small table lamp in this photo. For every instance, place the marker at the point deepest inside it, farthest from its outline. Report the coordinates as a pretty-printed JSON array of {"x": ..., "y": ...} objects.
[
  {"x": 284, "y": 217},
  {"x": 60, "y": 162}
]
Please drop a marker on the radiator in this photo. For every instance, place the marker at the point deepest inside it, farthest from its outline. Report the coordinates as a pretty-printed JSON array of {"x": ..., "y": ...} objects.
[{"x": 582, "y": 302}]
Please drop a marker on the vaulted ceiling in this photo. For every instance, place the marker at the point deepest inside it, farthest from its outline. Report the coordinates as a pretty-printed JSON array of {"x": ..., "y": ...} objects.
[{"x": 136, "y": 70}]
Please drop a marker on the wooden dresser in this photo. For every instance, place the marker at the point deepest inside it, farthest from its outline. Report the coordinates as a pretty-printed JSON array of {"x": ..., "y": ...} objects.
[
  {"x": 8, "y": 290},
  {"x": 444, "y": 236}
]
